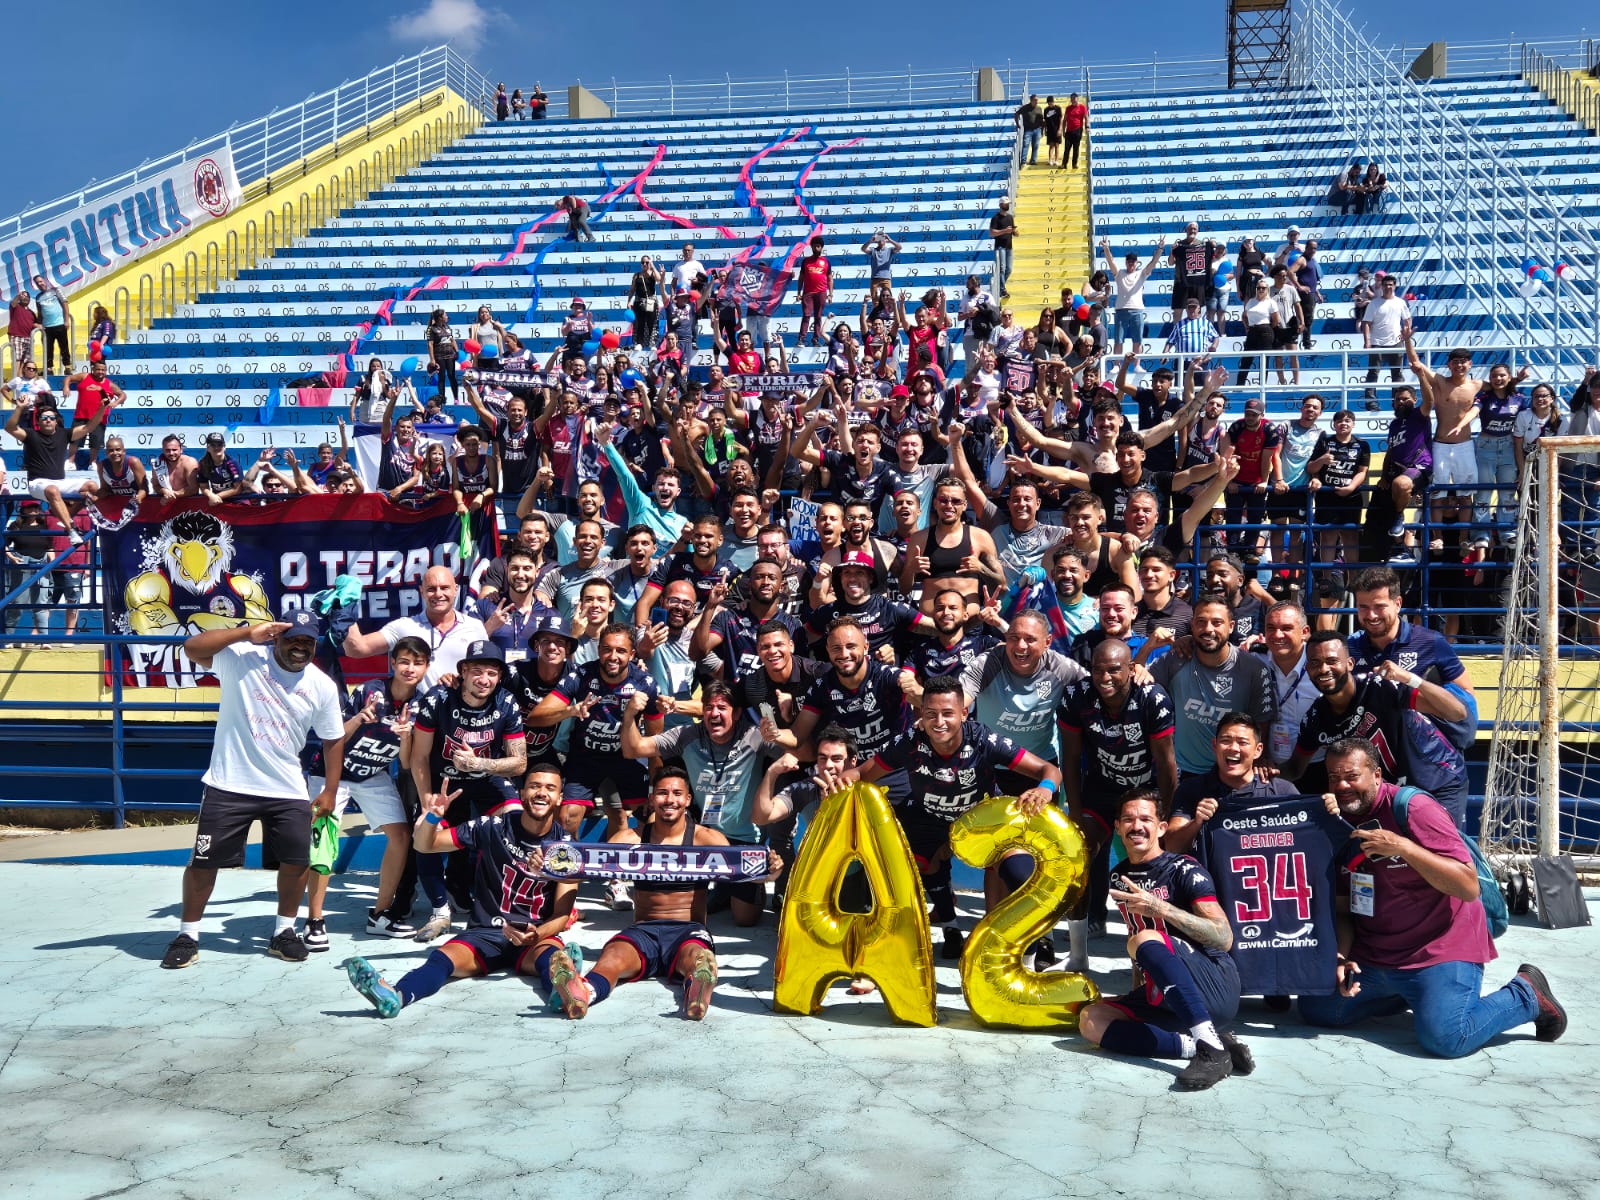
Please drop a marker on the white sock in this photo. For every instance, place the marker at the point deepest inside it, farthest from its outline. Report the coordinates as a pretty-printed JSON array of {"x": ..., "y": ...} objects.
[
  {"x": 192, "y": 928},
  {"x": 442, "y": 914},
  {"x": 1207, "y": 1032},
  {"x": 1186, "y": 1046},
  {"x": 282, "y": 924},
  {"x": 1077, "y": 945}
]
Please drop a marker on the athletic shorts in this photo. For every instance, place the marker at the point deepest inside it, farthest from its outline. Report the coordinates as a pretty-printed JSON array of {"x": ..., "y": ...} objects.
[
  {"x": 1289, "y": 505},
  {"x": 584, "y": 781},
  {"x": 1216, "y": 977},
  {"x": 928, "y": 837},
  {"x": 1455, "y": 464},
  {"x": 660, "y": 942},
  {"x": 493, "y": 949},
  {"x": 224, "y": 829},
  {"x": 377, "y": 799},
  {"x": 70, "y": 489},
  {"x": 1338, "y": 510},
  {"x": 478, "y": 798}
]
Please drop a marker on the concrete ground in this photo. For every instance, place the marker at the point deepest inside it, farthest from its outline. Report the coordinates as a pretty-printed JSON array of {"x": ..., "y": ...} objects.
[{"x": 245, "y": 1076}]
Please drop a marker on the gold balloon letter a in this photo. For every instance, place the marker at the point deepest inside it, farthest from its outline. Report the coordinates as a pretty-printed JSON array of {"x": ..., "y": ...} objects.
[
  {"x": 998, "y": 989},
  {"x": 819, "y": 943}
]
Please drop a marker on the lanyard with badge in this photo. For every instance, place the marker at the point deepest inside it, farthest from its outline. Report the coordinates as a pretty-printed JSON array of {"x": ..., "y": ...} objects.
[
  {"x": 715, "y": 797},
  {"x": 1363, "y": 884}
]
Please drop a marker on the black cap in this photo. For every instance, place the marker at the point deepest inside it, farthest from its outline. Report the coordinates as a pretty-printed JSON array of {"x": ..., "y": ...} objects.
[
  {"x": 484, "y": 650},
  {"x": 303, "y": 623},
  {"x": 555, "y": 624},
  {"x": 216, "y": 439}
]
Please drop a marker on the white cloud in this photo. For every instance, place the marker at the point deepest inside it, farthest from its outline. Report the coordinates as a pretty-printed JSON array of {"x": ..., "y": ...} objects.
[{"x": 463, "y": 23}]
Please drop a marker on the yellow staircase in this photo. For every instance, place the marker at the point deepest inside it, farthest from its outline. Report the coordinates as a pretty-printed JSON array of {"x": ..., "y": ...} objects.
[{"x": 1051, "y": 251}]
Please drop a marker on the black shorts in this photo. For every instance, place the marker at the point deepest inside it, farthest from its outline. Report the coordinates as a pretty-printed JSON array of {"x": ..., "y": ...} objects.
[
  {"x": 1216, "y": 977},
  {"x": 224, "y": 829},
  {"x": 1338, "y": 510},
  {"x": 928, "y": 837},
  {"x": 1289, "y": 505},
  {"x": 492, "y": 949},
  {"x": 1286, "y": 335},
  {"x": 660, "y": 942},
  {"x": 478, "y": 798},
  {"x": 585, "y": 780}
]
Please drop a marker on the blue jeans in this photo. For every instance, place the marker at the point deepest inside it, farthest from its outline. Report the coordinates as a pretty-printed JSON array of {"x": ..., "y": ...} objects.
[
  {"x": 1497, "y": 464},
  {"x": 1452, "y": 1019},
  {"x": 1030, "y": 144},
  {"x": 1130, "y": 326},
  {"x": 1002, "y": 268}
]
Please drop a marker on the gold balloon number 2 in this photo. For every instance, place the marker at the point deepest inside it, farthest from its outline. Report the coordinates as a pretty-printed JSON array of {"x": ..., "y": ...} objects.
[{"x": 819, "y": 943}]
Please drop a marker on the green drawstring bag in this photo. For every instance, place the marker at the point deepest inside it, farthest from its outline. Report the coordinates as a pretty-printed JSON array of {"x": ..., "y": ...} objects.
[{"x": 324, "y": 844}]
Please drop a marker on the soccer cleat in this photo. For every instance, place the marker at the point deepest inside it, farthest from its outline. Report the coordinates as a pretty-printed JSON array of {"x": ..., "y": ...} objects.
[
  {"x": 1044, "y": 953},
  {"x": 316, "y": 936},
  {"x": 434, "y": 927},
  {"x": 618, "y": 898},
  {"x": 697, "y": 987},
  {"x": 365, "y": 979},
  {"x": 389, "y": 924},
  {"x": 288, "y": 946},
  {"x": 1209, "y": 1067},
  {"x": 954, "y": 943},
  {"x": 567, "y": 984},
  {"x": 1551, "y": 1022},
  {"x": 183, "y": 952},
  {"x": 1243, "y": 1061}
]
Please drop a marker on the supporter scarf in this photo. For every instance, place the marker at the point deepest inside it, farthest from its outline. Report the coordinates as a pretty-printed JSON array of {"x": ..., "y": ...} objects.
[{"x": 654, "y": 864}]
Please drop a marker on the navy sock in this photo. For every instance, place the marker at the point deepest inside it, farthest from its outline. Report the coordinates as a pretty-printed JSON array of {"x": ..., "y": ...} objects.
[
  {"x": 1163, "y": 968},
  {"x": 1138, "y": 1040},
  {"x": 427, "y": 979},
  {"x": 430, "y": 873},
  {"x": 1015, "y": 870},
  {"x": 941, "y": 895},
  {"x": 600, "y": 984},
  {"x": 541, "y": 964}
]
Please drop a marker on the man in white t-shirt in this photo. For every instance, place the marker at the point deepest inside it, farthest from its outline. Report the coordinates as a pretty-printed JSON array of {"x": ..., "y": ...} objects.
[
  {"x": 684, "y": 273},
  {"x": 447, "y": 632},
  {"x": 1385, "y": 325},
  {"x": 272, "y": 698},
  {"x": 1129, "y": 281}
]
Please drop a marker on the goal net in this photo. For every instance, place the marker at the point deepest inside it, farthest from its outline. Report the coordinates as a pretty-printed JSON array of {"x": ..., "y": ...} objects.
[{"x": 1542, "y": 795}]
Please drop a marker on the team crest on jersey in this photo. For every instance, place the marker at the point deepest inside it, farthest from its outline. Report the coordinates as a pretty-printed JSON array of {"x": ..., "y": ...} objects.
[
  {"x": 752, "y": 862},
  {"x": 1132, "y": 731},
  {"x": 562, "y": 862},
  {"x": 1222, "y": 685},
  {"x": 202, "y": 843},
  {"x": 967, "y": 776},
  {"x": 1407, "y": 659},
  {"x": 223, "y": 606},
  {"x": 211, "y": 188}
]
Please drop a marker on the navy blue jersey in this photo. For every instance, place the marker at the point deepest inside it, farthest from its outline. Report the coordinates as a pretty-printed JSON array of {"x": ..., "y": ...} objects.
[
  {"x": 1415, "y": 649},
  {"x": 881, "y": 619},
  {"x": 1209, "y": 786},
  {"x": 1117, "y": 748},
  {"x": 372, "y": 749},
  {"x": 944, "y": 788},
  {"x": 876, "y": 712},
  {"x": 491, "y": 730},
  {"x": 682, "y": 566},
  {"x": 931, "y": 658},
  {"x": 527, "y": 689},
  {"x": 1275, "y": 869},
  {"x": 504, "y": 891},
  {"x": 737, "y": 628},
  {"x": 848, "y": 488},
  {"x": 1176, "y": 878},
  {"x": 601, "y": 731},
  {"x": 1376, "y": 715}
]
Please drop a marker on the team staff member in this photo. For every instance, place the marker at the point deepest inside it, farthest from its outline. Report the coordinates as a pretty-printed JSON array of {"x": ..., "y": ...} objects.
[
  {"x": 272, "y": 697},
  {"x": 517, "y": 915},
  {"x": 1185, "y": 983},
  {"x": 1412, "y": 930},
  {"x": 447, "y": 632}
]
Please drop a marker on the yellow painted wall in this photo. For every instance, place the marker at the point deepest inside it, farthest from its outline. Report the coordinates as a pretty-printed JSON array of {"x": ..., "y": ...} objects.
[{"x": 330, "y": 161}]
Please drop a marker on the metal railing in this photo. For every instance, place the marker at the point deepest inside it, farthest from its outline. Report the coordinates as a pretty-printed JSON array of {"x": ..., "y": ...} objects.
[
  {"x": 1560, "y": 83},
  {"x": 1481, "y": 212},
  {"x": 284, "y": 137}
]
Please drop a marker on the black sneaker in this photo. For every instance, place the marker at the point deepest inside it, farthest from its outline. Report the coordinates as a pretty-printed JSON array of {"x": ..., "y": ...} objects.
[
  {"x": 1551, "y": 1022},
  {"x": 1209, "y": 1067},
  {"x": 1097, "y": 927},
  {"x": 288, "y": 946},
  {"x": 316, "y": 936},
  {"x": 954, "y": 943},
  {"x": 1044, "y": 953},
  {"x": 184, "y": 952},
  {"x": 1243, "y": 1061},
  {"x": 389, "y": 924},
  {"x": 1275, "y": 1004}
]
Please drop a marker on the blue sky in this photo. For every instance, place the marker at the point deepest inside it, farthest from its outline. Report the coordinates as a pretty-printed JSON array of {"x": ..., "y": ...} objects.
[{"x": 153, "y": 78}]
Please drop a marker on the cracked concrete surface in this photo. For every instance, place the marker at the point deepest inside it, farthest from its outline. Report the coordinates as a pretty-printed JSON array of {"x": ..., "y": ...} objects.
[{"x": 244, "y": 1076}]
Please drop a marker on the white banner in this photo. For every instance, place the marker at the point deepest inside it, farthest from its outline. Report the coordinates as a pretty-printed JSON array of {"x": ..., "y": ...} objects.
[{"x": 91, "y": 242}]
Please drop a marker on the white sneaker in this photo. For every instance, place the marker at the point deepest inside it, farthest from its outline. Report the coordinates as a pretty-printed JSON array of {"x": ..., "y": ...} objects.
[{"x": 618, "y": 897}]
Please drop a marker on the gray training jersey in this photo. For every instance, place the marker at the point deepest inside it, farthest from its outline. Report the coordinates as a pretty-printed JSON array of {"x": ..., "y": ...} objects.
[
  {"x": 1019, "y": 551},
  {"x": 1023, "y": 710},
  {"x": 1202, "y": 695}
]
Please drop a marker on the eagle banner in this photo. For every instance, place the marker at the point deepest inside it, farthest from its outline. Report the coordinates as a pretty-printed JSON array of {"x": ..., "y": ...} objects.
[{"x": 172, "y": 570}]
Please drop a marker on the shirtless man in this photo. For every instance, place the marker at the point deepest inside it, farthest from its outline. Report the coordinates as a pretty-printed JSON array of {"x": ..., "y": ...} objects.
[{"x": 1453, "y": 399}]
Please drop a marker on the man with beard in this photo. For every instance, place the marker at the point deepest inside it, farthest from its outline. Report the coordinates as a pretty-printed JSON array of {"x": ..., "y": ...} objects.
[
  {"x": 1236, "y": 779},
  {"x": 949, "y": 553},
  {"x": 853, "y": 471},
  {"x": 1372, "y": 706},
  {"x": 722, "y": 752},
  {"x": 511, "y": 619},
  {"x": 1185, "y": 982},
  {"x": 665, "y": 649},
  {"x": 591, "y": 502},
  {"x": 702, "y": 566},
  {"x": 952, "y": 763},
  {"x": 884, "y": 621},
  {"x": 1385, "y": 637},
  {"x": 1117, "y": 607},
  {"x": 1068, "y": 571},
  {"x": 593, "y": 695},
  {"x": 271, "y": 698},
  {"x": 1120, "y": 732},
  {"x": 953, "y": 648},
  {"x": 856, "y": 538},
  {"x": 773, "y": 543},
  {"x": 533, "y": 535},
  {"x": 1021, "y": 540},
  {"x": 1218, "y": 678},
  {"x": 781, "y": 679},
  {"x": 1225, "y": 578},
  {"x": 1411, "y": 927},
  {"x": 1141, "y": 517},
  {"x": 1107, "y": 558},
  {"x": 469, "y": 734},
  {"x": 517, "y": 915},
  {"x": 531, "y": 680},
  {"x": 561, "y": 588},
  {"x": 513, "y": 441},
  {"x": 736, "y": 627}
]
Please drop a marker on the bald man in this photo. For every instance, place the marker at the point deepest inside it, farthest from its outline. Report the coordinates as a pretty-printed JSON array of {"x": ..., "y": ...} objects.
[{"x": 447, "y": 632}]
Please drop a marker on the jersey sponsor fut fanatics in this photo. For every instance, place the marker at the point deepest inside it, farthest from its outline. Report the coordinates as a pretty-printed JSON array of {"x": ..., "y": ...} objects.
[
  {"x": 1116, "y": 749},
  {"x": 944, "y": 788},
  {"x": 1275, "y": 866}
]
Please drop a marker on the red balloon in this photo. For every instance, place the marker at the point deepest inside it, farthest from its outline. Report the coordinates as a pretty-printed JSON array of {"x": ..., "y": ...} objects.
[
  {"x": 610, "y": 340},
  {"x": 694, "y": 298},
  {"x": 1081, "y": 312},
  {"x": 471, "y": 345}
]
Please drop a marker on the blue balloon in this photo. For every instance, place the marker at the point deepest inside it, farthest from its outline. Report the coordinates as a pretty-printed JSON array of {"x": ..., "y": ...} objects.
[
  {"x": 630, "y": 379},
  {"x": 489, "y": 350},
  {"x": 409, "y": 365},
  {"x": 1528, "y": 264},
  {"x": 463, "y": 358},
  {"x": 590, "y": 349},
  {"x": 1544, "y": 275}
]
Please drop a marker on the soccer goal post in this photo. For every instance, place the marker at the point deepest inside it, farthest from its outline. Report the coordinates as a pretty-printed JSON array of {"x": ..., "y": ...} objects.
[{"x": 1542, "y": 794}]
